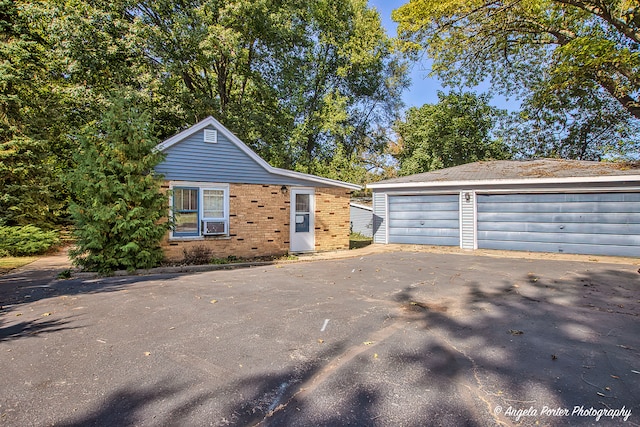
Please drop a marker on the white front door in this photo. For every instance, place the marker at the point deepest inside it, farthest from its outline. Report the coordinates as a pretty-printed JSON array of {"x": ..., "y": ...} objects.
[{"x": 302, "y": 220}]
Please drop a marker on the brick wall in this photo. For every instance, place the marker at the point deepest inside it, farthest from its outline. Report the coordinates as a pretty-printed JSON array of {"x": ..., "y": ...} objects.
[
  {"x": 259, "y": 223},
  {"x": 332, "y": 221}
]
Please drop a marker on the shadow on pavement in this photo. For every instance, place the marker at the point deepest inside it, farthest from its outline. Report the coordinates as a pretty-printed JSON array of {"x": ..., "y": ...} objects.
[
  {"x": 122, "y": 407},
  {"x": 534, "y": 343},
  {"x": 32, "y": 328},
  {"x": 474, "y": 346}
]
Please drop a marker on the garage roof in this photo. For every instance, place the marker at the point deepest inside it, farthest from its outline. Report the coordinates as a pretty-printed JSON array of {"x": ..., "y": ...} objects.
[{"x": 519, "y": 171}]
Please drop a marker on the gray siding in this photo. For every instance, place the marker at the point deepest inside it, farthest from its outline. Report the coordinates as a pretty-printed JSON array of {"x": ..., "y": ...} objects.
[
  {"x": 195, "y": 160},
  {"x": 379, "y": 218},
  {"x": 590, "y": 223},
  {"x": 424, "y": 219},
  {"x": 361, "y": 220}
]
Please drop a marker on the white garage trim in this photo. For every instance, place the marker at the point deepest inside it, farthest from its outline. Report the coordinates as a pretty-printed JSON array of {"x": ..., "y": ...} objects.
[{"x": 468, "y": 220}]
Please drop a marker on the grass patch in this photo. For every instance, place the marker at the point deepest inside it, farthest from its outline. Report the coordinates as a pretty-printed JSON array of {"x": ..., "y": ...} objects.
[
  {"x": 228, "y": 260},
  {"x": 10, "y": 262},
  {"x": 65, "y": 274},
  {"x": 358, "y": 240}
]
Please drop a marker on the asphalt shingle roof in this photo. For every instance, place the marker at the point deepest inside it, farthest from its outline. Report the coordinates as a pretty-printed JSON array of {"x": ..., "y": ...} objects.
[{"x": 521, "y": 169}]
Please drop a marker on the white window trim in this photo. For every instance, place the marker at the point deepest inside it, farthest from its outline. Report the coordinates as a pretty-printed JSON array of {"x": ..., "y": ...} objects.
[
  {"x": 225, "y": 218},
  {"x": 201, "y": 187}
]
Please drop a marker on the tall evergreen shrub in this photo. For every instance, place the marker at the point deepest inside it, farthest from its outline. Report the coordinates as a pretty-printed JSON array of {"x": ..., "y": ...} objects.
[{"x": 120, "y": 214}]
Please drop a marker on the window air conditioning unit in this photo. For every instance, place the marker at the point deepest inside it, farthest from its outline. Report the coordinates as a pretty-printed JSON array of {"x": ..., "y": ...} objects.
[{"x": 213, "y": 228}]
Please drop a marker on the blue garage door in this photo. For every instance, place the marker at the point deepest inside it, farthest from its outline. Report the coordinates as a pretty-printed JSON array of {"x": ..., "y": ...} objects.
[
  {"x": 424, "y": 219},
  {"x": 594, "y": 223}
]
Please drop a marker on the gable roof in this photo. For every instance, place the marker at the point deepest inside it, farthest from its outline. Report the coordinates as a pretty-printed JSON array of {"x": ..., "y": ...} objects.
[
  {"x": 542, "y": 171},
  {"x": 210, "y": 121}
]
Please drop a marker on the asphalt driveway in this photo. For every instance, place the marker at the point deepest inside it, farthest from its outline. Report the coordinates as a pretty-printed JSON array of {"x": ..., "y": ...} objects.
[{"x": 403, "y": 339}]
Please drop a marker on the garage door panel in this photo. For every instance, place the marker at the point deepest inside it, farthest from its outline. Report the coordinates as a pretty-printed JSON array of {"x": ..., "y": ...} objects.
[
  {"x": 425, "y": 198},
  {"x": 567, "y": 227},
  {"x": 411, "y": 223},
  {"x": 416, "y": 231},
  {"x": 561, "y": 197},
  {"x": 565, "y": 207},
  {"x": 593, "y": 223},
  {"x": 574, "y": 238},
  {"x": 627, "y": 251},
  {"x": 425, "y": 240},
  {"x": 575, "y": 217},
  {"x": 422, "y": 216},
  {"x": 422, "y": 207},
  {"x": 424, "y": 219}
]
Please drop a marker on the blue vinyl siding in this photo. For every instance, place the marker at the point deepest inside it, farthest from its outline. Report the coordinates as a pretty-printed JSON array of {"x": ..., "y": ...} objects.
[
  {"x": 590, "y": 223},
  {"x": 194, "y": 160},
  {"x": 424, "y": 219},
  {"x": 361, "y": 220}
]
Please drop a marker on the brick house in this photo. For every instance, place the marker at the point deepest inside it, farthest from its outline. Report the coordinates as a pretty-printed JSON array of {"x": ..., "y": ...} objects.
[{"x": 224, "y": 196}]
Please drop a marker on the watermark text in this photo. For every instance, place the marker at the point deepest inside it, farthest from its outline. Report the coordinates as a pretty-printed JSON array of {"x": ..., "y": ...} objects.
[{"x": 517, "y": 413}]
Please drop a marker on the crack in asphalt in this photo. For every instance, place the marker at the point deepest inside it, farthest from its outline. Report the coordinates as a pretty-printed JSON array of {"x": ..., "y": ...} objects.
[
  {"x": 332, "y": 366},
  {"x": 480, "y": 388}
]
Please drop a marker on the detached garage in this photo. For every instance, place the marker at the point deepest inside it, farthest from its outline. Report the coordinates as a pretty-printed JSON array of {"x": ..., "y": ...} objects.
[{"x": 546, "y": 205}]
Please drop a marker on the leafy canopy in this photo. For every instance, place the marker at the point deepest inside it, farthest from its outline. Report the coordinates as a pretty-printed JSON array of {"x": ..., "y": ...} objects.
[
  {"x": 298, "y": 81},
  {"x": 565, "y": 58},
  {"x": 456, "y": 130},
  {"x": 31, "y": 122},
  {"x": 293, "y": 79}
]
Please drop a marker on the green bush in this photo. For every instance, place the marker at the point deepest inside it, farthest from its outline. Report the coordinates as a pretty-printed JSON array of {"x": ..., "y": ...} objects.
[
  {"x": 120, "y": 213},
  {"x": 26, "y": 240}
]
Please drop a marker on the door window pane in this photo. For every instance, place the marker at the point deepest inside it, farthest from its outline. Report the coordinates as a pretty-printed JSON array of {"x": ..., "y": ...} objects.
[
  {"x": 302, "y": 223},
  {"x": 302, "y": 203}
]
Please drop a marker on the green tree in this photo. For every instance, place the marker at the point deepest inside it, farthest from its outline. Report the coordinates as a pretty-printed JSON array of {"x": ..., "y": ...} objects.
[
  {"x": 582, "y": 127},
  {"x": 345, "y": 82},
  {"x": 456, "y": 130},
  {"x": 120, "y": 213},
  {"x": 293, "y": 79},
  {"x": 31, "y": 188},
  {"x": 31, "y": 133},
  {"x": 560, "y": 56}
]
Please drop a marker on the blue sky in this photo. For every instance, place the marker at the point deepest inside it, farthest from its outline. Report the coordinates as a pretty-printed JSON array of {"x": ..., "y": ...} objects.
[{"x": 423, "y": 89}]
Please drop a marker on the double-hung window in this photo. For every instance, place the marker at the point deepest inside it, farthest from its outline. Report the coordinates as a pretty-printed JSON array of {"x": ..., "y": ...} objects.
[
  {"x": 186, "y": 212},
  {"x": 200, "y": 211},
  {"x": 214, "y": 208}
]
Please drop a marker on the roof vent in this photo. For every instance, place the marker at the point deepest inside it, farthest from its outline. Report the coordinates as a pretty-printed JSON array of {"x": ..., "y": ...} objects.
[{"x": 211, "y": 136}]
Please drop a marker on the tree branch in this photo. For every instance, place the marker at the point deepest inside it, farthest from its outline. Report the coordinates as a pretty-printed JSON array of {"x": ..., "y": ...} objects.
[
  {"x": 630, "y": 104},
  {"x": 601, "y": 11}
]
